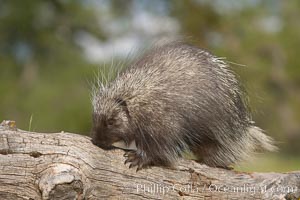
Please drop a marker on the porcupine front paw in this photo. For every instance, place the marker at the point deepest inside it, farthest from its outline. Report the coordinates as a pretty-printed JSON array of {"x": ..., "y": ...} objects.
[{"x": 136, "y": 158}]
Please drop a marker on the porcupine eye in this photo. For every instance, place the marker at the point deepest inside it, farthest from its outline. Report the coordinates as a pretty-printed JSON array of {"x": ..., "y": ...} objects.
[{"x": 110, "y": 122}]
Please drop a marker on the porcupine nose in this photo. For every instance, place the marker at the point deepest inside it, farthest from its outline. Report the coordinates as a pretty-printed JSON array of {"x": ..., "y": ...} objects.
[{"x": 101, "y": 144}]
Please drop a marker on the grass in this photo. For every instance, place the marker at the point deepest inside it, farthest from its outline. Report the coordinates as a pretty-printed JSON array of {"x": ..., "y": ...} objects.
[{"x": 30, "y": 122}]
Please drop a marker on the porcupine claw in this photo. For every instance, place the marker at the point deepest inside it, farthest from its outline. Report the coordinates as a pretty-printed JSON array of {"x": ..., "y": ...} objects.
[{"x": 134, "y": 159}]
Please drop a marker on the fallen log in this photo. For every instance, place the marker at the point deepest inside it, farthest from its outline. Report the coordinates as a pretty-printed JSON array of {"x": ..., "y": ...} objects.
[{"x": 68, "y": 166}]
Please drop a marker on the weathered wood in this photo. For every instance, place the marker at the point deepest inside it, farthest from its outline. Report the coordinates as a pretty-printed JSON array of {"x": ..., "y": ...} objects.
[{"x": 68, "y": 166}]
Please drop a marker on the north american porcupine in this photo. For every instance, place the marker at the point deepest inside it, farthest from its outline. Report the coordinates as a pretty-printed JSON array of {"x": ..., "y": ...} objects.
[{"x": 176, "y": 98}]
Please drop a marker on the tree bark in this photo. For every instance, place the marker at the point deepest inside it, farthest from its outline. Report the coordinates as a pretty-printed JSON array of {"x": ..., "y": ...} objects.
[{"x": 68, "y": 166}]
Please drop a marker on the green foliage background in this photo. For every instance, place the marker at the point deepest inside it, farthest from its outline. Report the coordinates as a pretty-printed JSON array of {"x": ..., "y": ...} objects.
[{"x": 45, "y": 75}]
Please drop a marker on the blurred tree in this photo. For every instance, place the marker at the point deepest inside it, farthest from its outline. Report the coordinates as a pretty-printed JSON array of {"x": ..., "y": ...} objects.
[
  {"x": 33, "y": 30},
  {"x": 198, "y": 20}
]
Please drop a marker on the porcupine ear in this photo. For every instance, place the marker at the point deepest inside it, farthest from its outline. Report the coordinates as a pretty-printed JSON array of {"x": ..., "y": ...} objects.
[{"x": 123, "y": 104}]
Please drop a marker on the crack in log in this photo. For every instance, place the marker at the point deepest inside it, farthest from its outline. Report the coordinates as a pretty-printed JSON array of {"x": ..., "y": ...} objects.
[
  {"x": 5, "y": 151},
  {"x": 291, "y": 196},
  {"x": 35, "y": 154}
]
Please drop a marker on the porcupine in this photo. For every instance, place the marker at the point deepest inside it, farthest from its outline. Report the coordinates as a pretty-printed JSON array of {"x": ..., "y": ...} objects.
[{"x": 176, "y": 98}]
